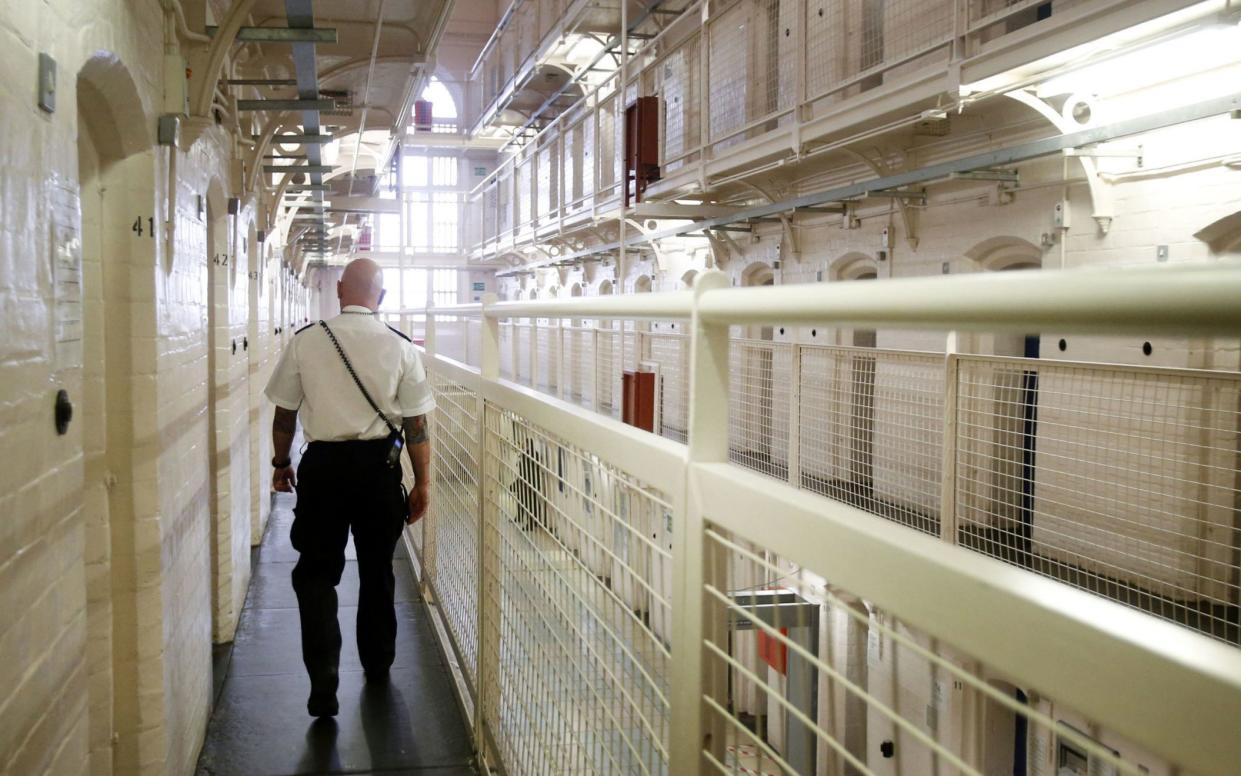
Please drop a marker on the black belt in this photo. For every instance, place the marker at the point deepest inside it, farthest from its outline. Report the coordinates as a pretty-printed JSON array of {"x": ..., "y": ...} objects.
[
  {"x": 346, "y": 444},
  {"x": 352, "y": 449}
]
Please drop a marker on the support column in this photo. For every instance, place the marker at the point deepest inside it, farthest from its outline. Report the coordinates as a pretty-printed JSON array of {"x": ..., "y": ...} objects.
[
  {"x": 948, "y": 465},
  {"x": 708, "y": 443},
  {"x": 487, "y": 700}
]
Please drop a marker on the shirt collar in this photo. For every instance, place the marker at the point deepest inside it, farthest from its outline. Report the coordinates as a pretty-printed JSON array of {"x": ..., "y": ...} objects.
[{"x": 356, "y": 308}]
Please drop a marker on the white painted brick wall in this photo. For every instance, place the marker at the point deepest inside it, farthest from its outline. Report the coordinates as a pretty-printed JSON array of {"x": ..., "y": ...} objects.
[{"x": 71, "y": 655}]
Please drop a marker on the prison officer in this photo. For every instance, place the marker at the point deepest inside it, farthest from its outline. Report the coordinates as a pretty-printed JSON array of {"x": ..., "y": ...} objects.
[{"x": 346, "y": 480}]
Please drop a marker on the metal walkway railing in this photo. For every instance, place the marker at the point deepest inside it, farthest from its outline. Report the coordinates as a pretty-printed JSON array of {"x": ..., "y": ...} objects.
[{"x": 620, "y": 602}]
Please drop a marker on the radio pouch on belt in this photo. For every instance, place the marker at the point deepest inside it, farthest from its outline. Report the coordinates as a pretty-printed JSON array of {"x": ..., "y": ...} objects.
[{"x": 394, "y": 436}]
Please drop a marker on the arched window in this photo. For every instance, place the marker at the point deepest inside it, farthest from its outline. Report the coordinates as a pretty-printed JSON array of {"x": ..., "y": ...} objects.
[{"x": 443, "y": 106}]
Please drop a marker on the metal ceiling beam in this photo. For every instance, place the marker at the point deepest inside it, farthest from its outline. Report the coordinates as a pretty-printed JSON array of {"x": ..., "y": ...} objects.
[
  {"x": 300, "y": 139},
  {"x": 312, "y": 103},
  {"x": 315, "y": 169},
  {"x": 301, "y": 15},
  {"x": 261, "y": 82},
  {"x": 282, "y": 34},
  {"x": 364, "y": 205}
]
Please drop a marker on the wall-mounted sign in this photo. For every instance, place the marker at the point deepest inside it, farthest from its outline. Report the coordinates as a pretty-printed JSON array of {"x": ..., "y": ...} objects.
[
  {"x": 480, "y": 172},
  {"x": 479, "y": 285}
]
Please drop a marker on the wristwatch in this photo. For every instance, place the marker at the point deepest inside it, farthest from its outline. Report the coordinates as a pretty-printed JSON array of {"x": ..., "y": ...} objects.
[{"x": 281, "y": 464}]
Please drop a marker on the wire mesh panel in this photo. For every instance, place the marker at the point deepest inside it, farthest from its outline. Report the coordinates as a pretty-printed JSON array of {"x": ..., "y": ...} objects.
[
  {"x": 608, "y": 370},
  {"x": 871, "y": 430},
  {"x": 758, "y": 428},
  {"x": 548, "y": 188},
  {"x": 632, "y": 346},
  {"x": 579, "y": 668},
  {"x": 609, "y": 158},
  {"x": 546, "y": 341},
  {"x": 454, "y": 512},
  {"x": 579, "y": 367},
  {"x": 524, "y": 195},
  {"x": 669, "y": 350},
  {"x": 854, "y": 45},
  {"x": 504, "y": 202},
  {"x": 574, "y": 167},
  {"x": 677, "y": 80},
  {"x": 452, "y": 337},
  {"x": 751, "y": 66},
  {"x": 728, "y": 78},
  {"x": 1122, "y": 481},
  {"x": 804, "y": 677},
  {"x": 522, "y": 332},
  {"x": 506, "y": 351},
  {"x": 473, "y": 341}
]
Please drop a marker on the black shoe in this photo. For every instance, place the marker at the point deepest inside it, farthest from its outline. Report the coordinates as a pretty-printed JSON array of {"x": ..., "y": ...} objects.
[{"x": 323, "y": 705}]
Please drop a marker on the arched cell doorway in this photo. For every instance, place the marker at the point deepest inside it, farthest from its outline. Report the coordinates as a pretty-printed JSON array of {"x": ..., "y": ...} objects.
[
  {"x": 116, "y": 173},
  {"x": 1010, "y": 502}
]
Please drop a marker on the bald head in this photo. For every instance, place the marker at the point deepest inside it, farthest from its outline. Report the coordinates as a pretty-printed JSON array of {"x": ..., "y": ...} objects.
[{"x": 361, "y": 284}]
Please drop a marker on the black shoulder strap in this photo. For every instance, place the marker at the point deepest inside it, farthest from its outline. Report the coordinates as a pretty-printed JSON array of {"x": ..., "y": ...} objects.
[
  {"x": 356, "y": 380},
  {"x": 400, "y": 333},
  {"x": 304, "y": 328}
]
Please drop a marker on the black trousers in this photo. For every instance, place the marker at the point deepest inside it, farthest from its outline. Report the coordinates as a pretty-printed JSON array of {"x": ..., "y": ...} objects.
[{"x": 343, "y": 486}]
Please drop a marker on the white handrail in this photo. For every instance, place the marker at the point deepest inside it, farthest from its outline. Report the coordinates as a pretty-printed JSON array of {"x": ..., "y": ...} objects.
[
  {"x": 1160, "y": 300},
  {"x": 1164, "y": 300}
]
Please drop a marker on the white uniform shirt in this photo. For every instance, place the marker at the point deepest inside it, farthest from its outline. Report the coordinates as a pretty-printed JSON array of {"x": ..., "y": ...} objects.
[{"x": 310, "y": 376}]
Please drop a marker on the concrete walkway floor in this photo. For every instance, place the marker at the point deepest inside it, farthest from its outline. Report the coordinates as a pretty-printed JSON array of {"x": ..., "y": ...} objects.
[{"x": 259, "y": 726}]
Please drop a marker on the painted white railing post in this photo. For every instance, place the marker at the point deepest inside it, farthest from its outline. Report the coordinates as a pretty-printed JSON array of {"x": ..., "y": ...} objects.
[
  {"x": 428, "y": 332},
  {"x": 594, "y": 366},
  {"x": 488, "y": 654},
  {"x": 948, "y": 465},
  {"x": 794, "y": 452},
  {"x": 533, "y": 353},
  {"x": 708, "y": 443},
  {"x": 559, "y": 371},
  {"x": 427, "y": 524},
  {"x": 489, "y": 358},
  {"x": 799, "y": 88},
  {"x": 515, "y": 347}
]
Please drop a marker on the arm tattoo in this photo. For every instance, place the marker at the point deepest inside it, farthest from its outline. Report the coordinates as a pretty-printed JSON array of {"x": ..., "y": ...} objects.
[
  {"x": 285, "y": 420},
  {"x": 416, "y": 430}
]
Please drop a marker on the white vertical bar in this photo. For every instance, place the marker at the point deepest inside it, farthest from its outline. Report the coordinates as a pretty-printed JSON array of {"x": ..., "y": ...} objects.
[
  {"x": 488, "y": 632},
  {"x": 557, "y": 360},
  {"x": 489, "y": 359},
  {"x": 708, "y": 443},
  {"x": 513, "y": 345},
  {"x": 428, "y": 340},
  {"x": 533, "y": 353},
  {"x": 799, "y": 67},
  {"x": 594, "y": 366},
  {"x": 704, "y": 75},
  {"x": 948, "y": 465},
  {"x": 794, "y": 452}
]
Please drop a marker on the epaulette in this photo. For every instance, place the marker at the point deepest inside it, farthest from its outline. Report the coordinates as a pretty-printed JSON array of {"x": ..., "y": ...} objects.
[
  {"x": 400, "y": 333},
  {"x": 304, "y": 328}
]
